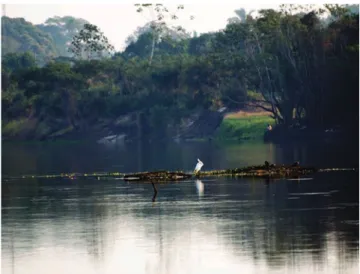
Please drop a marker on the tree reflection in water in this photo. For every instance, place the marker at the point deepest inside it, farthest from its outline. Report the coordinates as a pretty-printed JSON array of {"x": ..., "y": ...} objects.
[{"x": 236, "y": 224}]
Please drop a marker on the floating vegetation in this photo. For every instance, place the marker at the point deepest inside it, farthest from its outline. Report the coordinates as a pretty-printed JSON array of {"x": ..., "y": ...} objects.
[{"x": 263, "y": 171}]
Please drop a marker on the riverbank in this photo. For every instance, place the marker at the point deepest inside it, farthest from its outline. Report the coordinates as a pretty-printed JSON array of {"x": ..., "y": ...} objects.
[
  {"x": 244, "y": 125},
  {"x": 248, "y": 125},
  {"x": 332, "y": 134},
  {"x": 241, "y": 125}
]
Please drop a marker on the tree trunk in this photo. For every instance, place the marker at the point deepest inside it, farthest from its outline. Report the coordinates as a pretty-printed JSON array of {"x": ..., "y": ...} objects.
[{"x": 152, "y": 50}]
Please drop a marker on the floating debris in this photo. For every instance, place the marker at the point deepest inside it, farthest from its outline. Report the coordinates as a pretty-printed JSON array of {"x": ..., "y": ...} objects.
[{"x": 157, "y": 176}]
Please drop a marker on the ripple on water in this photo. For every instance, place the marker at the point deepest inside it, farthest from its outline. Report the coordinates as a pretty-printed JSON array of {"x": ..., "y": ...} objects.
[
  {"x": 314, "y": 208},
  {"x": 313, "y": 193},
  {"x": 351, "y": 222}
]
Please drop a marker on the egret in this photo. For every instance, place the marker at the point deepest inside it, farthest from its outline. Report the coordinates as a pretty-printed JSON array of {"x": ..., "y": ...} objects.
[{"x": 198, "y": 166}]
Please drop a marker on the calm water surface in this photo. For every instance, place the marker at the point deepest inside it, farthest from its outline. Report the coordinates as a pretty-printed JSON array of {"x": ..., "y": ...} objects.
[{"x": 208, "y": 226}]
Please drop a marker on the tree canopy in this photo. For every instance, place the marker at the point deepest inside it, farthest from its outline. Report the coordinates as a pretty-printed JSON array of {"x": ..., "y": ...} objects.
[
  {"x": 62, "y": 30},
  {"x": 18, "y": 35},
  {"x": 304, "y": 71}
]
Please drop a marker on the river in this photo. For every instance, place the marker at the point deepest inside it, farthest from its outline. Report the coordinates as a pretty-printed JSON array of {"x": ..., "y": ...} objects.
[{"x": 210, "y": 226}]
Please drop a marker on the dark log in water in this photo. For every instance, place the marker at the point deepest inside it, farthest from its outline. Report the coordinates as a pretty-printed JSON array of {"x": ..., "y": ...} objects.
[
  {"x": 264, "y": 171},
  {"x": 157, "y": 176}
]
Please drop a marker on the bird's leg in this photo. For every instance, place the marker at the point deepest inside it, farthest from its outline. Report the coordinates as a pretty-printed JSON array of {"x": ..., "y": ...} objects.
[{"x": 155, "y": 192}]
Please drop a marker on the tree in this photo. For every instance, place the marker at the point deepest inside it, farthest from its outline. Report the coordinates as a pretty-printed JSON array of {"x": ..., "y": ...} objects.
[
  {"x": 203, "y": 44},
  {"x": 169, "y": 32},
  {"x": 241, "y": 16},
  {"x": 287, "y": 61},
  {"x": 19, "y": 36},
  {"x": 62, "y": 30},
  {"x": 18, "y": 61},
  {"x": 167, "y": 46},
  {"x": 158, "y": 22},
  {"x": 89, "y": 42}
]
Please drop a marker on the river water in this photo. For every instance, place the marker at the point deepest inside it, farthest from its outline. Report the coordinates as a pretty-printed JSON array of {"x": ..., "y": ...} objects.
[{"x": 208, "y": 226}]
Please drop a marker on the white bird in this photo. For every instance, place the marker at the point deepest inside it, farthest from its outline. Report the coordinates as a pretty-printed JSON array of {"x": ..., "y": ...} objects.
[{"x": 198, "y": 166}]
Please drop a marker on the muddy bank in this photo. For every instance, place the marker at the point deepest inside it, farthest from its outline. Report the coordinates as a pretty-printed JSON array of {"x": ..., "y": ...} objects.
[{"x": 125, "y": 128}]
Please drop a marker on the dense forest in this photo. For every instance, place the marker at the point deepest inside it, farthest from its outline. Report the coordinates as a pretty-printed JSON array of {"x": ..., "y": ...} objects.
[
  {"x": 63, "y": 75},
  {"x": 44, "y": 41}
]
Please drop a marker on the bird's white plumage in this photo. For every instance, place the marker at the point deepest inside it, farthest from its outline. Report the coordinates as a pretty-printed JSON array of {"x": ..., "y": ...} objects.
[{"x": 198, "y": 166}]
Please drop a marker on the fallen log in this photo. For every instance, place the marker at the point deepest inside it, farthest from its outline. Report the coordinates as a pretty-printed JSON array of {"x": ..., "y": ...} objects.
[
  {"x": 260, "y": 171},
  {"x": 157, "y": 176},
  {"x": 264, "y": 171}
]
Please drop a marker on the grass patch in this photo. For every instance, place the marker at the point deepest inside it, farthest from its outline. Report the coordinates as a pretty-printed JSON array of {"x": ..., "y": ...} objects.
[
  {"x": 250, "y": 127},
  {"x": 13, "y": 127}
]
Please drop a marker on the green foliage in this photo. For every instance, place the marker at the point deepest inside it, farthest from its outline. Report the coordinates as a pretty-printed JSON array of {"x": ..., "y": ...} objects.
[
  {"x": 13, "y": 127},
  {"x": 90, "y": 43},
  {"x": 44, "y": 41},
  {"x": 202, "y": 44},
  {"x": 62, "y": 31},
  {"x": 244, "y": 128},
  {"x": 18, "y": 61},
  {"x": 14, "y": 103},
  {"x": 254, "y": 96},
  {"x": 158, "y": 24},
  {"x": 296, "y": 67},
  {"x": 19, "y": 36}
]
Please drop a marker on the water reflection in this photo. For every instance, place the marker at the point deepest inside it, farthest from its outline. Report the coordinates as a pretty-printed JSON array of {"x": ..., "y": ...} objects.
[
  {"x": 244, "y": 225},
  {"x": 51, "y": 158},
  {"x": 199, "y": 188},
  {"x": 155, "y": 192},
  {"x": 107, "y": 227}
]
